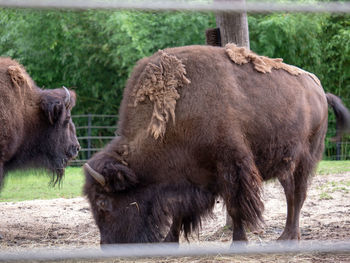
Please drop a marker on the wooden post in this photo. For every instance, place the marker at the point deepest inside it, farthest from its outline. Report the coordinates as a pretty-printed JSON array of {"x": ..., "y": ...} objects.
[{"x": 232, "y": 28}]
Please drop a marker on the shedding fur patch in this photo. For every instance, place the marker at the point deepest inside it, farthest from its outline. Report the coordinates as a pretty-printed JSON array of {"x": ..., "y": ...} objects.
[
  {"x": 160, "y": 83},
  {"x": 242, "y": 55},
  {"x": 19, "y": 78}
]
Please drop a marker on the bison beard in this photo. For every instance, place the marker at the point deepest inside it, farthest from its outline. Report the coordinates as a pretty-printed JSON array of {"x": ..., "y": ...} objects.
[
  {"x": 36, "y": 126},
  {"x": 240, "y": 119}
]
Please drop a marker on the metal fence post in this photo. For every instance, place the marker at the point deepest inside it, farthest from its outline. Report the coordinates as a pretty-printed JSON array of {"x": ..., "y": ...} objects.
[
  {"x": 89, "y": 135},
  {"x": 338, "y": 151}
]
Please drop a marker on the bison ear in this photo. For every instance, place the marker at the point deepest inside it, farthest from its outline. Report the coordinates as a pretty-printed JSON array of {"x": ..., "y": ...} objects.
[
  {"x": 119, "y": 177},
  {"x": 114, "y": 177},
  {"x": 52, "y": 108}
]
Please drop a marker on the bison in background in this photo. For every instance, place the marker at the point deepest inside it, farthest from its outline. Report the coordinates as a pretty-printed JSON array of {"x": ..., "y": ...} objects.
[
  {"x": 36, "y": 127},
  {"x": 201, "y": 122}
]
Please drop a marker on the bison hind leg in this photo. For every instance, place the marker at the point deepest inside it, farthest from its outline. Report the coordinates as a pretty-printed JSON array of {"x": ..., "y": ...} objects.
[{"x": 295, "y": 188}]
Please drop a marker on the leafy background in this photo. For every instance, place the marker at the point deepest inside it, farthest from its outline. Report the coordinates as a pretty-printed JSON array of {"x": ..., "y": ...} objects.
[{"x": 94, "y": 52}]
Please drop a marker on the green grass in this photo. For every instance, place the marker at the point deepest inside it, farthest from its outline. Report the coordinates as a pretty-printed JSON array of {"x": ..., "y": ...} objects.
[
  {"x": 30, "y": 185},
  {"x": 26, "y": 185},
  {"x": 328, "y": 188},
  {"x": 333, "y": 167}
]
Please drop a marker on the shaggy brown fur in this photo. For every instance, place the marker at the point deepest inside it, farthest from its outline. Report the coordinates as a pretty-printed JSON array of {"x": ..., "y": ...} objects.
[
  {"x": 242, "y": 55},
  {"x": 160, "y": 83},
  {"x": 235, "y": 127},
  {"x": 36, "y": 128}
]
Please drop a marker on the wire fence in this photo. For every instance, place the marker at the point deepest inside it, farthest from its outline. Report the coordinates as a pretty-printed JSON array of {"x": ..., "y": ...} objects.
[
  {"x": 187, "y": 5},
  {"x": 94, "y": 132},
  {"x": 175, "y": 250}
]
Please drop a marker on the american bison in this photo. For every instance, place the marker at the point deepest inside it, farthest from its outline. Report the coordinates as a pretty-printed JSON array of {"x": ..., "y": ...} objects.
[
  {"x": 36, "y": 126},
  {"x": 202, "y": 122}
]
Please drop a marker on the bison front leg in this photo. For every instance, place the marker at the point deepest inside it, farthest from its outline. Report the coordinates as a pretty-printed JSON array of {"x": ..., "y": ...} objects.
[
  {"x": 174, "y": 232},
  {"x": 240, "y": 183}
]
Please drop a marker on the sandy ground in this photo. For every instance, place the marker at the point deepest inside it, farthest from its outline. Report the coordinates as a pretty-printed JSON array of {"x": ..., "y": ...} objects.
[{"x": 68, "y": 222}]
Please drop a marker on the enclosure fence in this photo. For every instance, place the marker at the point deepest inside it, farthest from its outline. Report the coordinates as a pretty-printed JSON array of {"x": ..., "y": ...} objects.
[
  {"x": 94, "y": 131},
  {"x": 174, "y": 250},
  {"x": 187, "y": 5}
]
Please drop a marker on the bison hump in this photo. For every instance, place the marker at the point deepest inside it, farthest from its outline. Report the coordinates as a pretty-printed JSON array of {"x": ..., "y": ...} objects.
[{"x": 159, "y": 83}]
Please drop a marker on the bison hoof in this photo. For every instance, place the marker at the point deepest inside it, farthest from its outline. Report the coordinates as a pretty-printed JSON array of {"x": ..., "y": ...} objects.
[{"x": 289, "y": 235}]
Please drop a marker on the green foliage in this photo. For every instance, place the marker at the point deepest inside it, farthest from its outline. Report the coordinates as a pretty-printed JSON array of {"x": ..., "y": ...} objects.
[
  {"x": 29, "y": 185},
  {"x": 293, "y": 37}
]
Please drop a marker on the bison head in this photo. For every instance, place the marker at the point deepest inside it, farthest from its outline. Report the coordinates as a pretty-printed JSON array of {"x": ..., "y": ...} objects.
[
  {"x": 128, "y": 210},
  {"x": 56, "y": 133},
  {"x": 118, "y": 202}
]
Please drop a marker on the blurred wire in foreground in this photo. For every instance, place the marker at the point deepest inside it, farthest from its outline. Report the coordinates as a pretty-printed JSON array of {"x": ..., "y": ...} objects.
[
  {"x": 167, "y": 249},
  {"x": 186, "y": 5}
]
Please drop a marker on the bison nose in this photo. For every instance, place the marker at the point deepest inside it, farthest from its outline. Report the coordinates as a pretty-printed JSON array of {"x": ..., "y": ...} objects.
[{"x": 73, "y": 150}]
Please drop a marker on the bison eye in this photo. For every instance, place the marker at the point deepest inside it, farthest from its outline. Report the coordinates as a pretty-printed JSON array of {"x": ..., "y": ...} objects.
[
  {"x": 102, "y": 204},
  {"x": 66, "y": 121}
]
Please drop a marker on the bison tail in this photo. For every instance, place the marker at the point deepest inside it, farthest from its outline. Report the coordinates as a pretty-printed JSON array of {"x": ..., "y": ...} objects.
[
  {"x": 248, "y": 197},
  {"x": 242, "y": 187},
  {"x": 342, "y": 116}
]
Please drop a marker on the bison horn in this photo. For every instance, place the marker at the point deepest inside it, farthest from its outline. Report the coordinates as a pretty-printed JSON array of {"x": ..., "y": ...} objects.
[
  {"x": 98, "y": 177},
  {"x": 67, "y": 99}
]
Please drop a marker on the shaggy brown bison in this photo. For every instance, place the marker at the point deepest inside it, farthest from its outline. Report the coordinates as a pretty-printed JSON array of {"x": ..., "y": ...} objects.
[
  {"x": 36, "y": 127},
  {"x": 201, "y": 122}
]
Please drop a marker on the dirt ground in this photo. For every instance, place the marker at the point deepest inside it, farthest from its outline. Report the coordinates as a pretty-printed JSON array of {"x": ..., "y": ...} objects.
[{"x": 68, "y": 222}]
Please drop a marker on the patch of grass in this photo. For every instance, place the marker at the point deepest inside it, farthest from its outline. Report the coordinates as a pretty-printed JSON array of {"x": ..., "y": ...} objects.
[
  {"x": 333, "y": 167},
  {"x": 327, "y": 189},
  {"x": 30, "y": 185},
  {"x": 325, "y": 196}
]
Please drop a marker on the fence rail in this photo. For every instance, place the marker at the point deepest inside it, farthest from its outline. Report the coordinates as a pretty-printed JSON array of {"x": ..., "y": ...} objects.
[
  {"x": 92, "y": 137},
  {"x": 189, "y": 5},
  {"x": 174, "y": 250}
]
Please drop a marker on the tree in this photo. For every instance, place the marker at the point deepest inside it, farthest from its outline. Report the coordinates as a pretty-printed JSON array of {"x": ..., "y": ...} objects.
[{"x": 233, "y": 26}]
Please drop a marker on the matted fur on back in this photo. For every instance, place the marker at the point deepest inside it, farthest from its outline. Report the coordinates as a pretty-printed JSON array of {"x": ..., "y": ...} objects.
[{"x": 160, "y": 83}]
